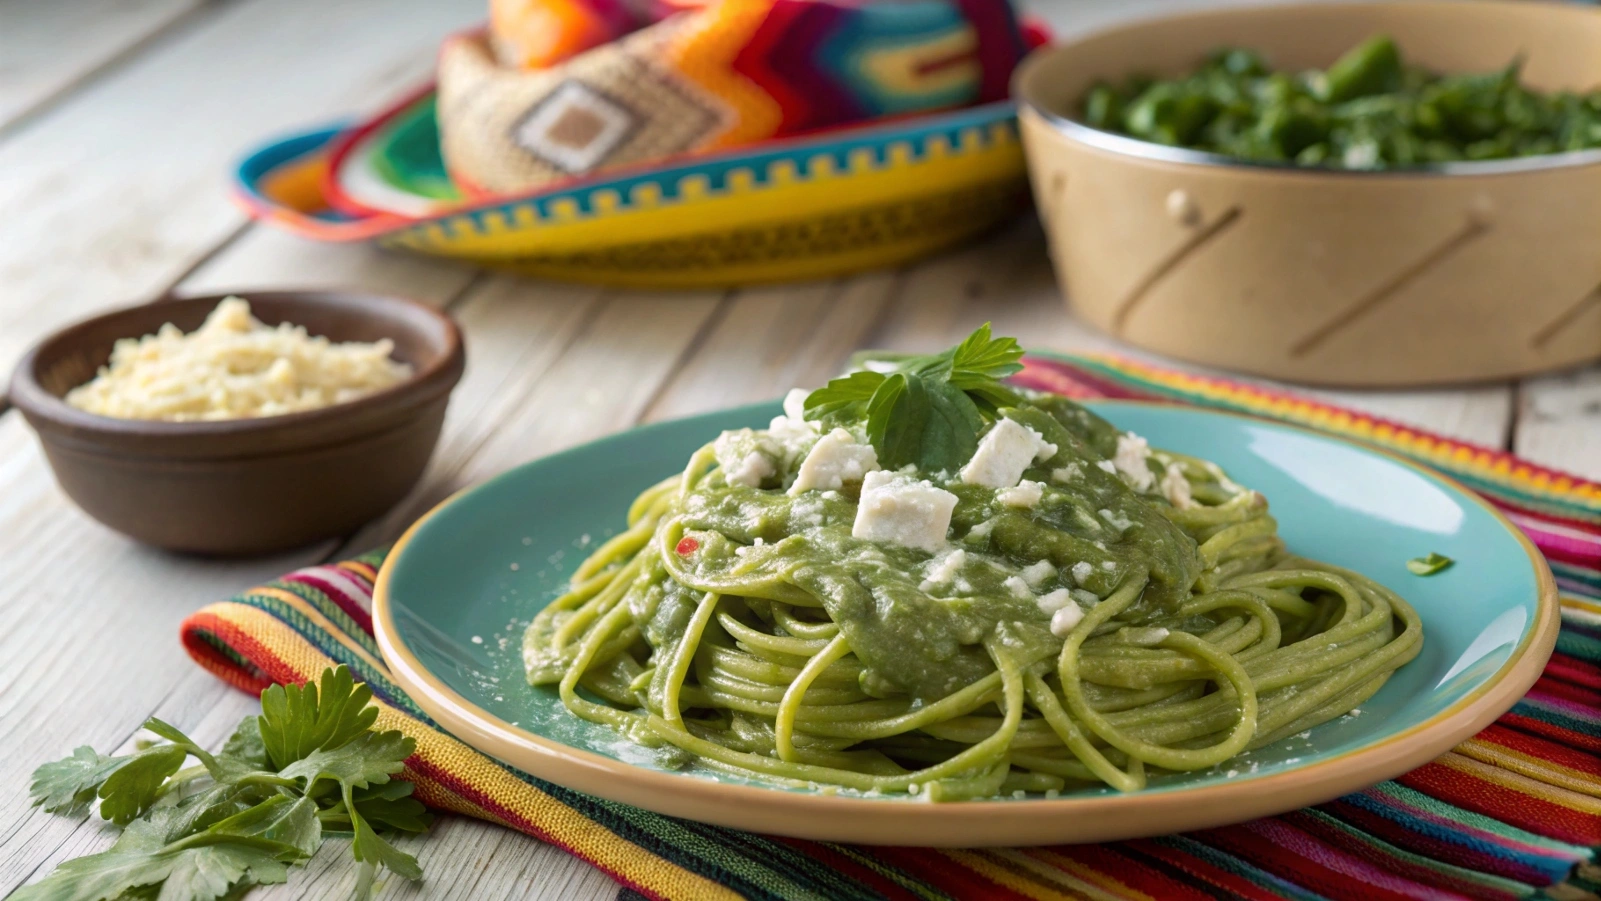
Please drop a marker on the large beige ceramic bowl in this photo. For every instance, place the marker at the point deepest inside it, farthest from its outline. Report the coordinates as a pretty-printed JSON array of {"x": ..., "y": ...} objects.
[{"x": 1460, "y": 272}]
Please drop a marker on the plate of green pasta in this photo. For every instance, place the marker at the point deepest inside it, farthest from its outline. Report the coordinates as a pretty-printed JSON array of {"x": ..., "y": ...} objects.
[{"x": 921, "y": 605}]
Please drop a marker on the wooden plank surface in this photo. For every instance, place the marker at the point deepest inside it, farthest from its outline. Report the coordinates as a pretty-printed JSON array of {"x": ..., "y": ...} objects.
[
  {"x": 125, "y": 179},
  {"x": 1559, "y": 421},
  {"x": 88, "y": 622},
  {"x": 47, "y": 49}
]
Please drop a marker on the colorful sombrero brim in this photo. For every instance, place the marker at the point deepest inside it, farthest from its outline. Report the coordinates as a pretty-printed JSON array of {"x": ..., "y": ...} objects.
[{"x": 808, "y": 207}]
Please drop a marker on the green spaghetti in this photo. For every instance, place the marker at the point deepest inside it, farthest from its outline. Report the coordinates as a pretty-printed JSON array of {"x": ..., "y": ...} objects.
[{"x": 919, "y": 580}]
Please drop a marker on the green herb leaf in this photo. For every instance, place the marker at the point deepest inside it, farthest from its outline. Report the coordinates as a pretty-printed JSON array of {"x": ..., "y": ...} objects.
[
  {"x": 369, "y": 758},
  {"x": 210, "y": 871},
  {"x": 245, "y": 744},
  {"x": 926, "y": 410},
  {"x": 134, "y": 786},
  {"x": 126, "y": 785},
  {"x": 893, "y": 418},
  {"x": 843, "y": 394},
  {"x": 981, "y": 357},
  {"x": 299, "y": 719},
  {"x": 369, "y": 846},
  {"x": 69, "y": 785},
  {"x": 289, "y": 827},
  {"x": 391, "y": 806},
  {"x": 143, "y": 856},
  {"x": 214, "y": 831},
  {"x": 1428, "y": 566}
]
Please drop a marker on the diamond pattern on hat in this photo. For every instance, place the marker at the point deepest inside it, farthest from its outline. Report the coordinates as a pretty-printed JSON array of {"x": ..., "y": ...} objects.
[{"x": 575, "y": 128}]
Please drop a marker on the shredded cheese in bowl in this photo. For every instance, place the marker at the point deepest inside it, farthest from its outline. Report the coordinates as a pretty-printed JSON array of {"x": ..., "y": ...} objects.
[{"x": 234, "y": 367}]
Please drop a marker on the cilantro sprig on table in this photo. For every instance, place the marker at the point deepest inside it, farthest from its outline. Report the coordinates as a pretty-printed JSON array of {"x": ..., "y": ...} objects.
[
  {"x": 309, "y": 765},
  {"x": 925, "y": 410}
]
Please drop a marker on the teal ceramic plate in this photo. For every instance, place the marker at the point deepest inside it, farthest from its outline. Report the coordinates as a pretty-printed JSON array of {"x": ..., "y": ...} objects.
[{"x": 454, "y": 595}]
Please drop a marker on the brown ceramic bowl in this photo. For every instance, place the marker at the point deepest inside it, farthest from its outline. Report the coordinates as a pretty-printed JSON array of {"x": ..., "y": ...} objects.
[
  {"x": 1458, "y": 272},
  {"x": 245, "y": 486}
]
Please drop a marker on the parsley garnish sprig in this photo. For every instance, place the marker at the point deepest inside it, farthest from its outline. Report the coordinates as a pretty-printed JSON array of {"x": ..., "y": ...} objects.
[
  {"x": 309, "y": 765},
  {"x": 925, "y": 410}
]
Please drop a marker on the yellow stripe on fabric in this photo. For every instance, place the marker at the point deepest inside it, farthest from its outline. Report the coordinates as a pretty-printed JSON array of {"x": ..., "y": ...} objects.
[
  {"x": 306, "y": 609},
  {"x": 361, "y": 569},
  {"x": 1054, "y": 867},
  {"x": 1580, "y": 605},
  {"x": 1096, "y": 879},
  {"x": 1522, "y": 784},
  {"x": 565, "y": 826},
  {"x": 1005, "y": 876},
  {"x": 1528, "y": 765}
]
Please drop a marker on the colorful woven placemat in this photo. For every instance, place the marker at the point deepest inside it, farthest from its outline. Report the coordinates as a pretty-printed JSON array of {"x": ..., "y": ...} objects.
[{"x": 1514, "y": 812}]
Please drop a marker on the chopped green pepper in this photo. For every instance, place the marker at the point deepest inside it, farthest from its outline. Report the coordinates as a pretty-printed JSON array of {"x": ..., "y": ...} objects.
[
  {"x": 1428, "y": 566},
  {"x": 1368, "y": 110}
]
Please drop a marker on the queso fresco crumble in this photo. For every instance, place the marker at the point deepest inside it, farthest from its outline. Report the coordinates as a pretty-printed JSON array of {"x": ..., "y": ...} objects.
[{"x": 234, "y": 367}]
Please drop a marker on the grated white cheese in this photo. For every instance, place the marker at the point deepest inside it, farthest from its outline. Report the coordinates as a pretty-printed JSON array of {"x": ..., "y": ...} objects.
[
  {"x": 944, "y": 569},
  {"x": 1017, "y": 586},
  {"x": 1026, "y": 494},
  {"x": 1055, "y": 600},
  {"x": 1063, "y": 620},
  {"x": 234, "y": 367},
  {"x": 1117, "y": 521},
  {"x": 1176, "y": 488},
  {"x": 1081, "y": 571},
  {"x": 1038, "y": 573},
  {"x": 1067, "y": 473},
  {"x": 746, "y": 457},
  {"x": 1130, "y": 461}
]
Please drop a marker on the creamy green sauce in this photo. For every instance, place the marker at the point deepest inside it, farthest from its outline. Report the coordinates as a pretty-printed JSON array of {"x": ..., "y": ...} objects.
[{"x": 914, "y": 634}]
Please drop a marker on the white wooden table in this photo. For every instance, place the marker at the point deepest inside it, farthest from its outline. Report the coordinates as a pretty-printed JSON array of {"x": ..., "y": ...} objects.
[{"x": 117, "y": 122}]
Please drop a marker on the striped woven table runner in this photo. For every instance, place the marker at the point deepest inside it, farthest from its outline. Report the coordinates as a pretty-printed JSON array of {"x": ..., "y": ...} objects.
[{"x": 1514, "y": 812}]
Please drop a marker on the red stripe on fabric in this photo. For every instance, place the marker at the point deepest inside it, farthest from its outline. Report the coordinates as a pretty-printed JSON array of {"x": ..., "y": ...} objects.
[
  {"x": 1107, "y": 859},
  {"x": 1541, "y": 748},
  {"x": 1575, "y": 694},
  {"x": 1552, "y": 731},
  {"x": 828, "y": 857},
  {"x": 1562, "y": 548},
  {"x": 1574, "y": 670},
  {"x": 1378, "y": 857},
  {"x": 203, "y": 651},
  {"x": 1511, "y": 807},
  {"x": 1271, "y": 855},
  {"x": 1196, "y": 868},
  {"x": 1581, "y": 525},
  {"x": 1042, "y": 374},
  {"x": 245, "y": 645},
  {"x": 351, "y": 607},
  {"x": 1465, "y": 856},
  {"x": 457, "y": 788},
  {"x": 953, "y": 878}
]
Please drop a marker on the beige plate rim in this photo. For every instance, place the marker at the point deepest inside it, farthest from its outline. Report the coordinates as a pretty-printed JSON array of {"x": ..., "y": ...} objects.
[{"x": 912, "y": 822}]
